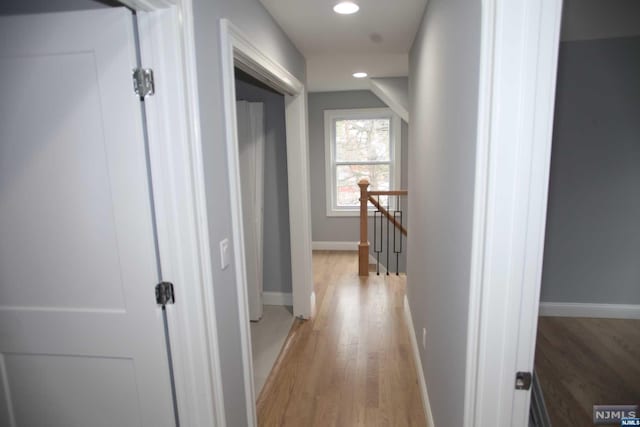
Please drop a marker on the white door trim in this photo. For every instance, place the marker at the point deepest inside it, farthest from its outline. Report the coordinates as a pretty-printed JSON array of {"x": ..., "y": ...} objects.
[
  {"x": 168, "y": 46},
  {"x": 238, "y": 50},
  {"x": 519, "y": 45}
]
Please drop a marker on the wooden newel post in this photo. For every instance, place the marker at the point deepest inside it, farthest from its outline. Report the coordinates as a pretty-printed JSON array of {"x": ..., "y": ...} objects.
[{"x": 363, "y": 246}]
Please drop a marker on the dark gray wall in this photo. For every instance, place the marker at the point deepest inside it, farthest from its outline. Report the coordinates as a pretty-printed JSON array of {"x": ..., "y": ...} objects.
[
  {"x": 277, "y": 244},
  {"x": 14, "y": 7},
  {"x": 443, "y": 87},
  {"x": 339, "y": 228},
  {"x": 256, "y": 23},
  {"x": 592, "y": 248}
]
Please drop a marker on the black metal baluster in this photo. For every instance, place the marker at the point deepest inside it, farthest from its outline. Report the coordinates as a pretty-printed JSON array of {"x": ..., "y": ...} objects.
[
  {"x": 397, "y": 214},
  {"x": 377, "y": 214},
  {"x": 401, "y": 224},
  {"x": 375, "y": 236},
  {"x": 388, "y": 197}
]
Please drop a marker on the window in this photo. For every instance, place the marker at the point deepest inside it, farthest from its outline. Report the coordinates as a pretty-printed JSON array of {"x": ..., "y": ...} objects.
[{"x": 360, "y": 143}]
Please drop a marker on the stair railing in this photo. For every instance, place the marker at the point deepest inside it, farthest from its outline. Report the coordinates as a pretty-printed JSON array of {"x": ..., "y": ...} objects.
[{"x": 394, "y": 219}]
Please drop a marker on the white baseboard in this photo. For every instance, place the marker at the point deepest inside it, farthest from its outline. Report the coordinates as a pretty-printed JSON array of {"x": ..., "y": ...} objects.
[
  {"x": 334, "y": 246},
  {"x": 277, "y": 298},
  {"x": 569, "y": 309},
  {"x": 416, "y": 358}
]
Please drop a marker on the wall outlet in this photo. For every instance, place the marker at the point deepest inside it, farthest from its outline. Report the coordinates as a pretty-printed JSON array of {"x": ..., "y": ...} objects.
[{"x": 424, "y": 338}]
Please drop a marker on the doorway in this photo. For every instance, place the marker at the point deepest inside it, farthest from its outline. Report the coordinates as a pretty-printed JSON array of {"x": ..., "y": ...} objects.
[
  {"x": 238, "y": 52},
  {"x": 589, "y": 326},
  {"x": 265, "y": 200}
]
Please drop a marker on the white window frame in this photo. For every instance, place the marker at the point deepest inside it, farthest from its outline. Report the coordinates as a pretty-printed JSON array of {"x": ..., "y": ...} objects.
[{"x": 395, "y": 141}]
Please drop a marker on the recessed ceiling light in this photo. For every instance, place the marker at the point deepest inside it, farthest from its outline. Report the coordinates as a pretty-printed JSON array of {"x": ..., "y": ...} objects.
[
  {"x": 359, "y": 75},
  {"x": 346, "y": 8}
]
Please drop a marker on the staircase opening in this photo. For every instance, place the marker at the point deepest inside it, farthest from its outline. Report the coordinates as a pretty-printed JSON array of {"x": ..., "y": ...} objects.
[{"x": 389, "y": 230}]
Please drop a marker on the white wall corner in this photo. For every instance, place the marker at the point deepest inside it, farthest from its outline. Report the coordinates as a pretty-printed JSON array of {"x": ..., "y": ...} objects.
[
  {"x": 569, "y": 309},
  {"x": 393, "y": 91},
  {"x": 277, "y": 298},
  {"x": 416, "y": 359}
]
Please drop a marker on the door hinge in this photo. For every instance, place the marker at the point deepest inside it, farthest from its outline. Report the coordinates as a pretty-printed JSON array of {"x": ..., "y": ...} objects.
[
  {"x": 164, "y": 293},
  {"x": 523, "y": 380},
  {"x": 143, "y": 84}
]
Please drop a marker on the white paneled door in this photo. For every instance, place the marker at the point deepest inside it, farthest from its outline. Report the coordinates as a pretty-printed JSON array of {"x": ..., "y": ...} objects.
[
  {"x": 81, "y": 338},
  {"x": 251, "y": 136}
]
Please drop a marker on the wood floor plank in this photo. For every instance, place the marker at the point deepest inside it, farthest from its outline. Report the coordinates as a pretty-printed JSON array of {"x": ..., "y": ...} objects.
[
  {"x": 351, "y": 364},
  {"x": 583, "y": 362}
]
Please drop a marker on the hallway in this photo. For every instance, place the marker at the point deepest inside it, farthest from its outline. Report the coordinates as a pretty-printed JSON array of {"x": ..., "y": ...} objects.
[{"x": 352, "y": 364}]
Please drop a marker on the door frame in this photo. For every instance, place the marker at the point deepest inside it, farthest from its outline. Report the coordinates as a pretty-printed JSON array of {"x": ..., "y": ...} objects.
[
  {"x": 167, "y": 45},
  {"x": 239, "y": 51},
  {"x": 519, "y": 50}
]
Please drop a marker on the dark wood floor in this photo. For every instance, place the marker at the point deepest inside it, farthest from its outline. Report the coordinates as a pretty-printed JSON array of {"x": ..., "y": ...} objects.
[
  {"x": 352, "y": 363},
  {"x": 583, "y": 362}
]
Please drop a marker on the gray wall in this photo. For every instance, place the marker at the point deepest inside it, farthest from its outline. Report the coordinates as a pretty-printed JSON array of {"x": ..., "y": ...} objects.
[
  {"x": 277, "y": 244},
  {"x": 592, "y": 249},
  {"x": 443, "y": 79},
  {"x": 254, "y": 21},
  {"x": 332, "y": 228}
]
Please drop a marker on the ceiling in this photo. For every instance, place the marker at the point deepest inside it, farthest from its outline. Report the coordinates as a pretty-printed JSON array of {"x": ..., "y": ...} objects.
[
  {"x": 376, "y": 39},
  {"x": 334, "y": 71}
]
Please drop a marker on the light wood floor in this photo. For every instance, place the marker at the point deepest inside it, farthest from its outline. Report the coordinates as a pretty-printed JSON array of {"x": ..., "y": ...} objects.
[
  {"x": 583, "y": 362},
  {"x": 351, "y": 364}
]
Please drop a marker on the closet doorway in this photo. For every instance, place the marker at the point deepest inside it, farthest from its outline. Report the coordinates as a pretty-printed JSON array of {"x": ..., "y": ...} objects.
[{"x": 262, "y": 155}]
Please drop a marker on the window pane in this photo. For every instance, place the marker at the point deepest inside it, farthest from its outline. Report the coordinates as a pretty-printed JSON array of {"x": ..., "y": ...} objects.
[
  {"x": 362, "y": 140},
  {"x": 347, "y": 177}
]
